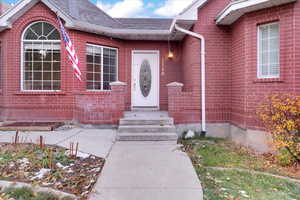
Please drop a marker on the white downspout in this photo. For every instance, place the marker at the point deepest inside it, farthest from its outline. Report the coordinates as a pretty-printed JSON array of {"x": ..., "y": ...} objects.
[{"x": 203, "y": 87}]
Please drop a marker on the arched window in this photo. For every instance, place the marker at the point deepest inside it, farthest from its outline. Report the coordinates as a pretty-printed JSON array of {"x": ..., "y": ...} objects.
[{"x": 41, "y": 57}]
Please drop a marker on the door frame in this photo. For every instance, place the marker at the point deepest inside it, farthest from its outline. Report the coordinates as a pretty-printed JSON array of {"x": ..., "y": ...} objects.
[{"x": 157, "y": 52}]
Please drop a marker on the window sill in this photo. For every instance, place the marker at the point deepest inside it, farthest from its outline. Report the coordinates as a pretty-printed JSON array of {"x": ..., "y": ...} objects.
[
  {"x": 46, "y": 93},
  {"x": 268, "y": 80}
]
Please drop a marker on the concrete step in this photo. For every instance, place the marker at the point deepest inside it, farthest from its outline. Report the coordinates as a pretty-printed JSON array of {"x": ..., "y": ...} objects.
[
  {"x": 147, "y": 129},
  {"x": 147, "y": 137},
  {"x": 146, "y": 114},
  {"x": 159, "y": 121}
]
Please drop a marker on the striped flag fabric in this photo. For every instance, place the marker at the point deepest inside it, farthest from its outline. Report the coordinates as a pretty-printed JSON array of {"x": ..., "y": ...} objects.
[{"x": 70, "y": 50}]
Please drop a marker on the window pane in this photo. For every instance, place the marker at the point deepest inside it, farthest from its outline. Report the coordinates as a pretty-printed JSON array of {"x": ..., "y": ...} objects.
[
  {"x": 28, "y": 85},
  {"x": 28, "y": 56},
  {"x": 47, "y": 85},
  {"x": 29, "y": 35},
  {"x": 97, "y": 68},
  {"x": 89, "y": 59},
  {"x": 54, "y": 35},
  {"x": 41, "y": 57},
  {"x": 47, "y": 66},
  {"x": 273, "y": 57},
  {"x": 56, "y": 56},
  {"x": 47, "y": 76},
  {"x": 274, "y": 30},
  {"x": 106, "y": 86},
  {"x": 37, "y": 28},
  {"x": 56, "y": 76},
  {"x": 37, "y": 85},
  {"x": 269, "y": 47},
  {"x": 97, "y": 85},
  {"x": 98, "y": 58},
  {"x": 28, "y": 76},
  {"x": 97, "y": 77},
  {"x": 89, "y": 76},
  {"x": 274, "y": 44},
  {"x": 56, "y": 66},
  {"x": 90, "y": 67},
  {"x": 274, "y": 69},
  {"x": 37, "y": 66},
  {"x": 90, "y": 85},
  {"x": 56, "y": 85},
  {"x": 28, "y": 66}
]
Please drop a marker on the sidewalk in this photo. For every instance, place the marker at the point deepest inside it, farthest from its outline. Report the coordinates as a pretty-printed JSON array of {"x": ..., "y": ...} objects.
[
  {"x": 147, "y": 171},
  {"x": 94, "y": 141}
]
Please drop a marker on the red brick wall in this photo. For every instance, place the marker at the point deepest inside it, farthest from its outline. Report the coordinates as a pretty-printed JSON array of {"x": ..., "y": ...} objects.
[
  {"x": 62, "y": 105},
  {"x": 218, "y": 75},
  {"x": 247, "y": 90}
]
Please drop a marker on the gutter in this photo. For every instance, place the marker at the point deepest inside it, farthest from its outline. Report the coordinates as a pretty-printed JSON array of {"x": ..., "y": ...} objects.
[{"x": 203, "y": 81}]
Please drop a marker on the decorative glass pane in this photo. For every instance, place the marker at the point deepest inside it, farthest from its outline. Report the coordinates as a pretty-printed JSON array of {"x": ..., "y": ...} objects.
[
  {"x": 42, "y": 31},
  {"x": 145, "y": 78}
]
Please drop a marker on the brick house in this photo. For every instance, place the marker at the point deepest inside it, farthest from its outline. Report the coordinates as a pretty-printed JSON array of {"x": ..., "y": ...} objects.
[{"x": 251, "y": 49}]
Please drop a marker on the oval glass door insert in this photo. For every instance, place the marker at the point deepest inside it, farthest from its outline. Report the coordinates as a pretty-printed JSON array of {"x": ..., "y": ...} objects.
[{"x": 145, "y": 78}]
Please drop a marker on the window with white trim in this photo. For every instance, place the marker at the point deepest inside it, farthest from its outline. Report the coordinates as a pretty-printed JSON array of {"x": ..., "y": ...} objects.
[
  {"x": 268, "y": 51},
  {"x": 102, "y": 67},
  {"x": 41, "y": 58}
]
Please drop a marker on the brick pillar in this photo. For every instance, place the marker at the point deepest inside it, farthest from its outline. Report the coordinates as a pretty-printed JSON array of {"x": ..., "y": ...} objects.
[
  {"x": 118, "y": 98},
  {"x": 174, "y": 102}
]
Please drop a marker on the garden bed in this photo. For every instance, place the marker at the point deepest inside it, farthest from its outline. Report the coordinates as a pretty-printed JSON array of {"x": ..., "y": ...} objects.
[
  {"x": 230, "y": 171},
  {"x": 50, "y": 166}
]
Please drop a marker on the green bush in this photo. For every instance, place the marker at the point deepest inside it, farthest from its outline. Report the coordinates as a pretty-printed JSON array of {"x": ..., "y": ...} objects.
[{"x": 285, "y": 158}]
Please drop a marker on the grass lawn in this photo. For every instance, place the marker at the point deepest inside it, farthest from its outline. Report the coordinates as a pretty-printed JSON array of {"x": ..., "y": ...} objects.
[{"x": 239, "y": 185}]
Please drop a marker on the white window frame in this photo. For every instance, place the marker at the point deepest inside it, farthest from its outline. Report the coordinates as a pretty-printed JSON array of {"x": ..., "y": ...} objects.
[
  {"x": 102, "y": 74},
  {"x": 22, "y": 59},
  {"x": 259, "y": 75}
]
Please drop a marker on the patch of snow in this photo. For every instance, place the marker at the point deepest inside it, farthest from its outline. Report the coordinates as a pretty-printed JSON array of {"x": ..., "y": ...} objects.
[
  {"x": 244, "y": 194},
  {"x": 189, "y": 134},
  {"x": 41, "y": 174},
  {"x": 79, "y": 154}
]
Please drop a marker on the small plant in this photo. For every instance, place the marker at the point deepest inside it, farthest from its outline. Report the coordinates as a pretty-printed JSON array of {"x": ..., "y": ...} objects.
[
  {"x": 280, "y": 113},
  {"x": 19, "y": 193},
  {"x": 26, "y": 193},
  {"x": 45, "y": 196}
]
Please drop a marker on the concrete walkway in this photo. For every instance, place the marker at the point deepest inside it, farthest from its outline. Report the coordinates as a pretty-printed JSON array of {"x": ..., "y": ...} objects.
[
  {"x": 94, "y": 141},
  {"x": 133, "y": 170},
  {"x": 147, "y": 171}
]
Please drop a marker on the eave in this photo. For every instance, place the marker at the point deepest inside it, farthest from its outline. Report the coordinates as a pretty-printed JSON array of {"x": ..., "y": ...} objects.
[{"x": 237, "y": 9}]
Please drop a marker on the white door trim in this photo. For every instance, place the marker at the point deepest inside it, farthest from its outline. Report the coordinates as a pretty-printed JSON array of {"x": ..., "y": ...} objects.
[{"x": 158, "y": 76}]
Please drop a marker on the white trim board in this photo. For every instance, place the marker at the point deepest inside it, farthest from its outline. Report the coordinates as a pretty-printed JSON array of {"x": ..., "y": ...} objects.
[{"x": 236, "y": 9}]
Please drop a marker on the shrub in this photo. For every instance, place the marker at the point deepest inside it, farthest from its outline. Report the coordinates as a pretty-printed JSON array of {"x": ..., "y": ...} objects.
[{"x": 280, "y": 113}]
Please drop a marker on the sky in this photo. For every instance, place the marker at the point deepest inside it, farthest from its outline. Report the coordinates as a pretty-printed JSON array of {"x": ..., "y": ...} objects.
[{"x": 139, "y": 8}]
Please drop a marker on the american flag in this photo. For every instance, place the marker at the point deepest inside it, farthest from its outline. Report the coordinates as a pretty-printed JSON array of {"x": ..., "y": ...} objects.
[{"x": 70, "y": 50}]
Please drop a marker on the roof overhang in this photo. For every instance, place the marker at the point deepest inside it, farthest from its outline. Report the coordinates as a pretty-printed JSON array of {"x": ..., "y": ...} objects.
[
  {"x": 12, "y": 14},
  {"x": 236, "y": 9},
  {"x": 191, "y": 12}
]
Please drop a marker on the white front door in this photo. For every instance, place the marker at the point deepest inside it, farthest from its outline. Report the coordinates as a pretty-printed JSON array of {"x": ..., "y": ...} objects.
[{"x": 145, "y": 79}]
